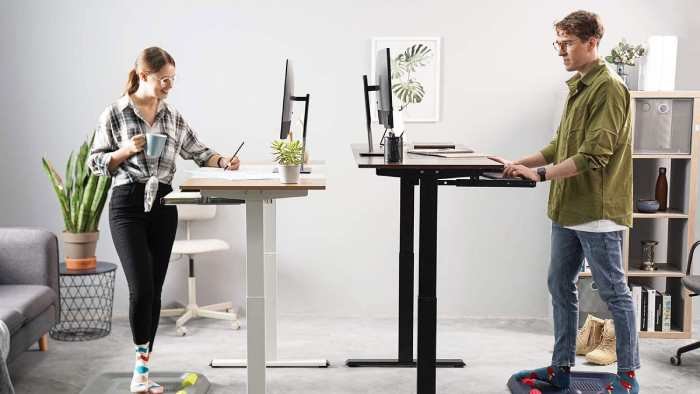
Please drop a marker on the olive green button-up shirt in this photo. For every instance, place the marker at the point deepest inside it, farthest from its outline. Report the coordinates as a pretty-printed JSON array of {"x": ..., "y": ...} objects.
[{"x": 595, "y": 133}]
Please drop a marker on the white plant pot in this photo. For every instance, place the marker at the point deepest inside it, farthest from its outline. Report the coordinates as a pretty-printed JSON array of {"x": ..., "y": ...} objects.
[{"x": 289, "y": 174}]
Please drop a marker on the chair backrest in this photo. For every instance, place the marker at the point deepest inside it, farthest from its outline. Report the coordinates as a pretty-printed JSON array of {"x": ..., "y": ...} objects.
[{"x": 192, "y": 212}]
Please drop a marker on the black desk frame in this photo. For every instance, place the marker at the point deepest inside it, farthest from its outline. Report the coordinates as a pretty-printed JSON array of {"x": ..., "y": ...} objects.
[{"x": 428, "y": 181}]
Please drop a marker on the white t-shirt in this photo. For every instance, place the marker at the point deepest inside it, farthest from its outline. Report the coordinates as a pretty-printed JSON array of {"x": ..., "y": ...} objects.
[{"x": 598, "y": 226}]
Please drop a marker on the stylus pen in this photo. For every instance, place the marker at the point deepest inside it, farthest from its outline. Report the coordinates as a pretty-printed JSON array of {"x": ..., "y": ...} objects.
[
  {"x": 235, "y": 154},
  {"x": 239, "y": 149}
]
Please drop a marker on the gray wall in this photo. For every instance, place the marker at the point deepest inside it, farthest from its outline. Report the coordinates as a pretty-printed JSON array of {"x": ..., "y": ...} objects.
[{"x": 502, "y": 90}]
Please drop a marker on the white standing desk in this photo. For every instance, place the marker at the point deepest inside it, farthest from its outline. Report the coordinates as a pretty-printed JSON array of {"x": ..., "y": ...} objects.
[{"x": 261, "y": 265}]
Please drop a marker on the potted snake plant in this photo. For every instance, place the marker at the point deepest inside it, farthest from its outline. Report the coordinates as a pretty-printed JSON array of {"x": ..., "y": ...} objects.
[
  {"x": 82, "y": 198},
  {"x": 288, "y": 155}
]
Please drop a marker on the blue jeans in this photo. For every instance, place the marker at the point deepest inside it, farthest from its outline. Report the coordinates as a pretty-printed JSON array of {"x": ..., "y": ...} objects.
[{"x": 604, "y": 254}]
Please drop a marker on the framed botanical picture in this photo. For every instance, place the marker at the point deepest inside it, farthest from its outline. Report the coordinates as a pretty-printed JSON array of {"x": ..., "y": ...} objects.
[{"x": 415, "y": 75}]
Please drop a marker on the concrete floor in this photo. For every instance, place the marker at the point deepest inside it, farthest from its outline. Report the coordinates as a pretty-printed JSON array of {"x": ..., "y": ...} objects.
[{"x": 492, "y": 349}]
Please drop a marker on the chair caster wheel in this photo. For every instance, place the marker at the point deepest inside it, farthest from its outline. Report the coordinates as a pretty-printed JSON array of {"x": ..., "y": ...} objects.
[
  {"x": 236, "y": 325},
  {"x": 181, "y": 331},
  {"x": 675, "y": 360}
]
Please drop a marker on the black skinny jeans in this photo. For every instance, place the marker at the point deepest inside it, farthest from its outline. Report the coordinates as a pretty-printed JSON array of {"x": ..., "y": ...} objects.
[{"x": 143, "y": 241}]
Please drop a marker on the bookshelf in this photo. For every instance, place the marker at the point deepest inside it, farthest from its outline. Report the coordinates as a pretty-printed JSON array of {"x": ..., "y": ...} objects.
[{"x": 678, "y": 151}]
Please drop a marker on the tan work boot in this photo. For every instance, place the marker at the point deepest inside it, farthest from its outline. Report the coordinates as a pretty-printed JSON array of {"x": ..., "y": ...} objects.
[
  {"x": 605, "y": 353},
  {"x": 590, "y": 335}
]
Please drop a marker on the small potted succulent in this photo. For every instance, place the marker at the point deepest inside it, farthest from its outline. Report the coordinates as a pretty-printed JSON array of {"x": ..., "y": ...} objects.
[
  {"x": 625, "y": 54},
  {"x": 288, "y": 155}
]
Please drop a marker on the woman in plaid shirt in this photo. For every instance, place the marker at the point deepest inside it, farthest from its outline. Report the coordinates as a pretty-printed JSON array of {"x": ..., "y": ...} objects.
[{"x": 142, "y": 229}]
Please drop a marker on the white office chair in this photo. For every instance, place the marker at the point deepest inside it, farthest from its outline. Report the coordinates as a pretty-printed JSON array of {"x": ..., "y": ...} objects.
[{"x": 190, "y": 248}]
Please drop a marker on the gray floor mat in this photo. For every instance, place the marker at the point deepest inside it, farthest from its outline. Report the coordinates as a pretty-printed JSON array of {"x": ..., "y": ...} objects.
[{"x": 172, "y": 382}]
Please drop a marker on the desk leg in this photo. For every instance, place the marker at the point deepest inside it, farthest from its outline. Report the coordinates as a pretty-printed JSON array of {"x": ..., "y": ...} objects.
[
  {"x": 256, "y": 296},
  {"x": 427, "y": 271},
  {"x": 271, "y": 321},
  {"x": 406, "y": 258},
  {"x": 270, "y": 280},
  {"x": 406, "y": 280}
]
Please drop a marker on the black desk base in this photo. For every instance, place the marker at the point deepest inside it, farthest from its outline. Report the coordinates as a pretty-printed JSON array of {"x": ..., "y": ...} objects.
[{"x": 395, "y": 363}]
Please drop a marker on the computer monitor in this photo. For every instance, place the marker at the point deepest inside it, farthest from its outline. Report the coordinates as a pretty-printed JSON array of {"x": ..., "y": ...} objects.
[
  {"x": 382, "y": 71},
  {"x": 383, "y": 79},
  {"x": 288, "y": 99}
]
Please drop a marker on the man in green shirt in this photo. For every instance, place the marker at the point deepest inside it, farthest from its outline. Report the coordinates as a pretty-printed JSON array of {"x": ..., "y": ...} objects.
[{"x": 589, "y": 164}]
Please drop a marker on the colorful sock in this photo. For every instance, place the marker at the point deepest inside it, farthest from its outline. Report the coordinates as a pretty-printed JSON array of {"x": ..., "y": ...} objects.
[
  {"x": 139, "y": 382},
  {"x": 556, "y": 376},
  {"x": 624, "y": 383}
]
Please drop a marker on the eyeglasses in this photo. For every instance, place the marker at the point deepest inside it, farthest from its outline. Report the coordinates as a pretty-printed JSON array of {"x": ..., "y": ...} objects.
[
  {"x": 166, "y": 80},
  {"x": 563, "y": 45}
]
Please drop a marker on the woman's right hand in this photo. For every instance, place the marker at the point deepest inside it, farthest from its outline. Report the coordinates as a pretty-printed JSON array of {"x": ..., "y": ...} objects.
[{"x": 136, "y": 144}]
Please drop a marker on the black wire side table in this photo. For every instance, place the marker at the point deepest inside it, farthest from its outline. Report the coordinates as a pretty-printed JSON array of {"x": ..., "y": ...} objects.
[{"x": 85, "y": 311}]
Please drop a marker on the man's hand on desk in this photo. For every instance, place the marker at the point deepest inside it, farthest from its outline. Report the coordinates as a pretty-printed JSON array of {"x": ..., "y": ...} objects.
[
  {"x": 513, "y": 169},
  {"x": 518, "y": 170}
]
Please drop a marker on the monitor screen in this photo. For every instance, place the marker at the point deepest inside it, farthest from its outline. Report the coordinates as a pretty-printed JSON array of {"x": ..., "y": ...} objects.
[
  {"x": 383, "y": 80},
  {"x": 287, "y": 102}
]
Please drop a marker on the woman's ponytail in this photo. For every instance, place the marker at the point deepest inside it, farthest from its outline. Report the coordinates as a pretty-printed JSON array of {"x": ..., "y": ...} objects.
[{"x": 132, "y": 83}]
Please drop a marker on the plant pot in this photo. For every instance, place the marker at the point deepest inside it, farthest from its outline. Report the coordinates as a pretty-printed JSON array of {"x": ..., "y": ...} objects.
[
  {"x": 289, "y": 174},
  {"x": 79, "y": 250}
]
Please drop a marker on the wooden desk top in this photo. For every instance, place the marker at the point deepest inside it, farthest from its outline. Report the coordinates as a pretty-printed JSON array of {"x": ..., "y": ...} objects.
[
  {"x": 420, "y": 162},
  {"x": 197, "y": 184}
]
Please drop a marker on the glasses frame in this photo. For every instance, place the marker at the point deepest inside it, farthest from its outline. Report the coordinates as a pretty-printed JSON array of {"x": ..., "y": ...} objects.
[
  {"x": 164, "y": 80},
  {"x": 564, "y": 45}
]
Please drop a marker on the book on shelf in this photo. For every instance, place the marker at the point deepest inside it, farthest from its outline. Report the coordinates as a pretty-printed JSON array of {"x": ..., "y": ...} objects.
[
  {"x": 658, "y": 311},
  {"x": 651, "y": 308},
  {"x": 666, "y": 312},
  {"x": 643, "y": 308},
  {"x": 637, "y": 301}
]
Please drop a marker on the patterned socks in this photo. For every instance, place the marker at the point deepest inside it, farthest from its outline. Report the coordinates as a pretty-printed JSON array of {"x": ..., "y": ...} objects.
[
  {"x": 556, "y": 376},
  {"x": 624, "y": 383},
  {"x": 140, "y": 382}
]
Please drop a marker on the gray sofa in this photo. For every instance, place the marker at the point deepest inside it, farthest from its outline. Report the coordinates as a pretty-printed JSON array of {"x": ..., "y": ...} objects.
[{"x": 28, "y": 286}]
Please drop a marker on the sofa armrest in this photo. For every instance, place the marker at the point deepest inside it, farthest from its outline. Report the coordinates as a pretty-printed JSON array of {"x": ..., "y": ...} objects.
[{"x": 28, "y": 256}]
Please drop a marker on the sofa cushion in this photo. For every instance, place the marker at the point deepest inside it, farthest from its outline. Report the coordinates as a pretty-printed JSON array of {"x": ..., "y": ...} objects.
[
  {"x": 12, "y": 319},
  {"x": 29, "y": 300}
]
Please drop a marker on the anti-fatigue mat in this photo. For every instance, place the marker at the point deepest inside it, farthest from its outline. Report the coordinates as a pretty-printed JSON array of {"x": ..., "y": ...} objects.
[
  {"x": 581, "y": 383},
  {"x": 172, "y": 382}
]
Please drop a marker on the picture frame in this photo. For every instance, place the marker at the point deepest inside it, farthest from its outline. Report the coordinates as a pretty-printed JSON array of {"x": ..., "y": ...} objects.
[{"x": 425, "y": 72}]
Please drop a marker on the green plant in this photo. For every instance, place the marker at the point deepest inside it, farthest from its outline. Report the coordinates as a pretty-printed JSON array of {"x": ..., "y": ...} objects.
[
  {"x": 405, "y": 87},
  {"x": 288, "y": 153},
  {"x": 625, "y": 53},
  {"x": 82, "y": 196}
]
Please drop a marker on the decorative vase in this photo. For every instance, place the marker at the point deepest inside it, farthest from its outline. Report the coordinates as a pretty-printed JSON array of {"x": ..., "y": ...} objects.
[
  {"x": 661, "y": 194},
  {"x": 622, "y": 72},
  {"x": 79, "y": 250},
  {"x": 648, "y": 255},
  {"x": 289, "y": 173}
]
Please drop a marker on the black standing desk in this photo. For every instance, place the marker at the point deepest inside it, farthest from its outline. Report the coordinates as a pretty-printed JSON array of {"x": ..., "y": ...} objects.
[{"x": 427, "y": 172}]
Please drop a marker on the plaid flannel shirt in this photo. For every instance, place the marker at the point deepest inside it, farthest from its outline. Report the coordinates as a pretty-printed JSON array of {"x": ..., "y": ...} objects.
[{"x": 120, "y": 121}]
